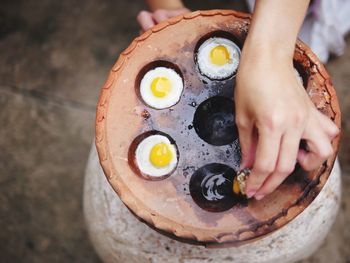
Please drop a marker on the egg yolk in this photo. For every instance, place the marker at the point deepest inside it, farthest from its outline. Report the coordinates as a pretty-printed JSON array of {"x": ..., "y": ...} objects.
[
  {"x": 219, "y": 55},
  {"x": 236, "y": 189},
  {"x": 160, "y": 87},
  {"x": 161, "y": 155}
]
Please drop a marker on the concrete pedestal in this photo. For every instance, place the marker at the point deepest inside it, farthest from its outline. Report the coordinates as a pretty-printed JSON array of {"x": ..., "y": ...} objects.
[{"x": 120, "y": 237}]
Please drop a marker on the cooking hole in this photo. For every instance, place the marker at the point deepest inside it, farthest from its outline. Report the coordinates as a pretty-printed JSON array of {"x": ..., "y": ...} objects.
[
  {"x": 214, "y": 121},
  {"x": 211, "y": 187},
  {"x": 153, "y": 155},
  {"x": 160, "y": 84}
]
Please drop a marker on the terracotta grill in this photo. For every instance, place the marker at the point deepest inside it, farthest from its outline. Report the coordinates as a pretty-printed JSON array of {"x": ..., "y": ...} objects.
[{"x": 168, "y": 204}]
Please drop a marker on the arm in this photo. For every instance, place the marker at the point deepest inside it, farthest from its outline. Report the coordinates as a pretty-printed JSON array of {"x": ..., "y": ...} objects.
[
  {"x": 160, "y": 11},
  {"x": 275, "y": 26},
  {"x": 164, "y": 4},
  {"x": 273, "y": 110}
]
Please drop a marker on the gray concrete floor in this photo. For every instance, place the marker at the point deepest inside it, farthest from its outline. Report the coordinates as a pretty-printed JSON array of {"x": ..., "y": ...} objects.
[{"x": 54, "y": 57}]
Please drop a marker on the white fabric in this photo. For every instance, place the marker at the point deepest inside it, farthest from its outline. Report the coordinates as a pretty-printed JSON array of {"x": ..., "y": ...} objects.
[{"x": 325, "y": 27}]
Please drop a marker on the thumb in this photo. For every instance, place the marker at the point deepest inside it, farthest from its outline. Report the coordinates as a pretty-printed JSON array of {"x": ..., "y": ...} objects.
[{"x": 145, "y": 20}]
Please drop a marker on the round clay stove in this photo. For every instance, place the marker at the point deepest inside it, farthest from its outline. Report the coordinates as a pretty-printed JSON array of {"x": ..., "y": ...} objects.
[{"x": 194, "y": 201}]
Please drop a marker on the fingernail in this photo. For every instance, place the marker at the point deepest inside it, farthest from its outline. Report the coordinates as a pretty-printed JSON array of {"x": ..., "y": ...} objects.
[
  {"x": 259, "y": 197},
  {"x": 250, "y": 194}
]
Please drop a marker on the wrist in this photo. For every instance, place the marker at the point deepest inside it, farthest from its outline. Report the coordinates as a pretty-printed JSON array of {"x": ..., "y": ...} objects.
[{"x": 267, "y": 51}]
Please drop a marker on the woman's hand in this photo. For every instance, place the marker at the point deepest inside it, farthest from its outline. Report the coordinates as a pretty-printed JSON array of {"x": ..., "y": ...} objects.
[
  {"x": 148, "y": 19},
  {"x": 274, "y": 113},
  {"x": 273, "y": 110}
]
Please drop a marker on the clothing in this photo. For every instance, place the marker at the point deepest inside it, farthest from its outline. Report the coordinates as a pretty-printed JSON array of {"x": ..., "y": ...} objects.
[{"x": 325, "y": 26}]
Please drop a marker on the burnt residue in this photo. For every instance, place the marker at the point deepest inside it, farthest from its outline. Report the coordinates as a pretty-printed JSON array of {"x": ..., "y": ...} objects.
[
  {"x": 268, "y": 225},
  {"x": 312, "y": 185},
  {"x": 193, "y": 104},
  {"x": 316, "y": 81},
  {"x": 188, "y": 170},
  {"x": 145, "y": 114}
]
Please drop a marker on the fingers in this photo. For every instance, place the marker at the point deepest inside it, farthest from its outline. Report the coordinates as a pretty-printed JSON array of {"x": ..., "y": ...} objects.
[
  {"x": 309, "y": 160},
  {"x": 161, "y": 15},
  {"x": 145, "y": 20},
  {"x": 318, "y": 133},
  {"x": 319, "y": 152},
  {"x": 328, "y": 126},
  {"x": 319, "y": 147},
  {"x": 248, "y": 141},
  {"x": 285, "y": 165},
  {"x": 265, "y": 161}
]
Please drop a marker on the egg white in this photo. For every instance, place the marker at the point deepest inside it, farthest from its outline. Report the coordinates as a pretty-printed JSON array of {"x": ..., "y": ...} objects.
[
  {"x": 211, "y": 70},
  {"x": 143, "y": 152},
  {"x": 174, "y": 95}
]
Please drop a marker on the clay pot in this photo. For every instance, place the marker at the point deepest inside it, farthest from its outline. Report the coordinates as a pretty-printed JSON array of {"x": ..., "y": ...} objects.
[
  {"x": 167, "y": 205},
  {"x": 118, "y": 236}
]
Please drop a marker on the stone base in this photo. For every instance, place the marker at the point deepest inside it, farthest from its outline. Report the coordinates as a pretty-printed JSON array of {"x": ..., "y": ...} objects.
[{"x": 118, "y": 236}]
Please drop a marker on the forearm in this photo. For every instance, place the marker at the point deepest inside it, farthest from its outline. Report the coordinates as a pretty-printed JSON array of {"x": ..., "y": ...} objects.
[
  {"x": 164, "y": 4},
  {"x": 275, "y": 26}
]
